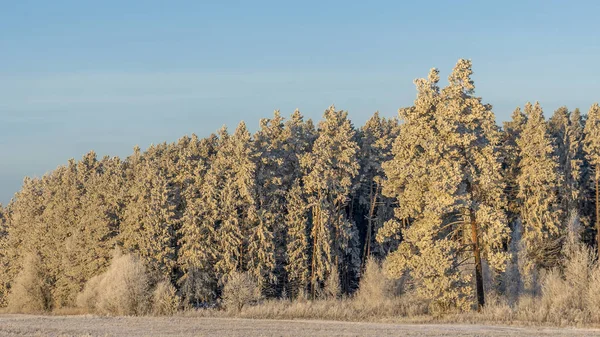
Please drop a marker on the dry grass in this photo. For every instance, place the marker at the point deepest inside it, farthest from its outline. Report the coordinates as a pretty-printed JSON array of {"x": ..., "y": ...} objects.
[
  {"x": 165, "y": 300},
  {"x": 376, "y": 300}
]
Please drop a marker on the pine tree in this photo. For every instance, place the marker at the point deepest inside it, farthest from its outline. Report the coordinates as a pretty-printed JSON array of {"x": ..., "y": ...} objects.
[
  {"x": 4, "y": 263},
  {"x": 150, "y": 218},
  {"x": 446, "y": 177},
  {"x": 330, "y": 169},
  {"x": 567, "y": 137},
  {"x": 299, "y": 138},
  {"x": 375, "y": 139},
  {"x": 91, "y": 239},
  {"x": 538, "y": 183},
  {"x": 242, "y": 238},
  {"x": 23, "y": 230},
  {"x": 512, "y": 158},
  {"x": 297, "y": 249},
  {"x": 197, "y": 252},
  {"x": 62, "y": 193},
  {"x": 272, "y": 183},
  {"x": 592, "y": 150}
]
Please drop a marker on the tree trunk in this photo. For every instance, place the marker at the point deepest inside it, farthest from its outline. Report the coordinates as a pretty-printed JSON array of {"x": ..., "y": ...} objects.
[
  {"x": 316, "y": 216},
  {"x": 368, "y": 238},
  {"x": 597, "y": 212},
  {"x": 478, "y": 266}
]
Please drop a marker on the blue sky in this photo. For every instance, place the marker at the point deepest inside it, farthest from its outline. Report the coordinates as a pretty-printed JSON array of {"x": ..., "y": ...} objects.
[{"x": 107, "y": 75}]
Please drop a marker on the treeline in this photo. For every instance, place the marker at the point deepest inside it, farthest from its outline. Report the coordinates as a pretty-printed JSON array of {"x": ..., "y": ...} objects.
[{"x": 446, "y": 198}]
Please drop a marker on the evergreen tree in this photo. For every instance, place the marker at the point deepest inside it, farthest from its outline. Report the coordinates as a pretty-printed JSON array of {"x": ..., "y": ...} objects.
[
  {"x": 150, "y": 218},
  {"x": 272, "y": 183},
  {"x": 330, "y": 169},
  {"x": 538, "y": 183},
  {"x": 512, "y": 159},
  {"x": 567, "y": 137},
  {"x": 90, "y": 240},
  {"x": 62, "y": 193},
  {"x": 376, "y": 138},
  {"x": 243, "y": 240},
  {"x": 592, "y": 150},
  {"x": 297, "y": 249},
  {"x": 22, "y": 230},
  {"x": 197, "y": 252},
  {"x": 4, "y": 263},
  {"x": 446, "y": 177}
]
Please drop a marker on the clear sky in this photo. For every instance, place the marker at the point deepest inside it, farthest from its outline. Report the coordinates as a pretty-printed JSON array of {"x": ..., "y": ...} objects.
[{"x": 107, "y": 75}]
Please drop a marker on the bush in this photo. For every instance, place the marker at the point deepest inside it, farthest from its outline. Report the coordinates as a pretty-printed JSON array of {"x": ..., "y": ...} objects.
[
  {"x": 122, "y": 290},
  {"x": 240, "y": 290},
  {"x": 592, "y": 296},
  {"x": 375, "y": 287},
  {"x": 88, "y": 297},
  {"x": 29, "y": 292},
  {"x": 332, "y": 289},
  {"x": 198, "y": 287},
  {"x": 165, "y": 300}
]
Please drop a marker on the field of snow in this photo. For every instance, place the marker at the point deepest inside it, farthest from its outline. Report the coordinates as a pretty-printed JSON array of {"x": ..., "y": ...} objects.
[{"x": 29, "y": 325}]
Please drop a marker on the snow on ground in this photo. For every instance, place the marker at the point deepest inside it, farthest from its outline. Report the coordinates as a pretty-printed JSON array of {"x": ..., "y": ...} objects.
[{"x": 28, "y": 325}]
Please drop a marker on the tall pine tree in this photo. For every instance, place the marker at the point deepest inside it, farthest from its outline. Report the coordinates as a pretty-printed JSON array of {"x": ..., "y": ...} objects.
[{"x": 330, "y": 168}]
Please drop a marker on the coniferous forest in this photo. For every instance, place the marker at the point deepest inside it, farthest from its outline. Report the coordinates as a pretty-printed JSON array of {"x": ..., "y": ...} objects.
[{"x": 454, "y": 207}]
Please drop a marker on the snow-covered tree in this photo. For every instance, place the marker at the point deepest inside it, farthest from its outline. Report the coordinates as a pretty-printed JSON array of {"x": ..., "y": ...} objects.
[
  {"x": 242, "y": 238},
  {"x": 197, "y": 251},
  {"x": 446, "y": 177},
  {"x": 375, "y": 139},
  {"x": 330, "y": 168},
  {"x": 592, "y": 152},
  {"x": 150, "y": 218},
  {"x": 538, "y": 183},
  {"x": 569, "y": 152},
  {"x": 4, "y": 263},
  {"x": 297, "y": 249},
  {"x": 512, "y": 158}
]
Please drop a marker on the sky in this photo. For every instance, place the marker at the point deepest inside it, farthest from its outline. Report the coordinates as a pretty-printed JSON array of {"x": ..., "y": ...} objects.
[{"x": 108, "y": 75}]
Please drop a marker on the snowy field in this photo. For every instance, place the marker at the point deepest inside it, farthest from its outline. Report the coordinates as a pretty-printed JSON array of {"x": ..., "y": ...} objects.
[{"x": 28, "y": 325}]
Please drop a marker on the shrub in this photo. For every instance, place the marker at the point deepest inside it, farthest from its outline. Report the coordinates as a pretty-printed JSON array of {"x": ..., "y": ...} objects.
[
  {"x": 374, "y": 287},
  {"x": 165, "y": 300},
  {"x": 88, "y": 297},
  {"x": 240, "y": 289},
  {"x": 332, "y": 289},
  {"x": 122, "y": 290},
  {"x": 198, "y": 286},
  {"x": 29, "y": 291},
  {"x": 592, "y": 296}
]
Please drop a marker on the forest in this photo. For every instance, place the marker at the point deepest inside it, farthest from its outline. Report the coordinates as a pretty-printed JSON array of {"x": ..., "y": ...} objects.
[{"x": 451, "y": 208}]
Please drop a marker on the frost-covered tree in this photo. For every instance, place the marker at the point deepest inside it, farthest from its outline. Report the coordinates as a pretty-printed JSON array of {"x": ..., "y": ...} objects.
[
  {"x": 24, "y": 227},
  {"x": 4, "y": 263},
  {"x": 243, "y": 241},
  {"x": 568, "y": 143},
  {"x": 273, "y": 182},
  {"x": 447, "y": 180},
  {"x": 330, "y": 169},
  {"x": 197, "y": 251},
  {"x": 538, "y": 183},
  {"x": 375, "y": 139},
  {"x": 150, "y": 219},
  {"x": 91, "y": 241},
  {"x": 512, "y": 158},
  {"x": 297, "y": 247},
  {"x": 592, "y": 152}
]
